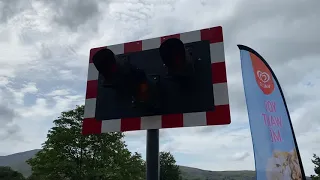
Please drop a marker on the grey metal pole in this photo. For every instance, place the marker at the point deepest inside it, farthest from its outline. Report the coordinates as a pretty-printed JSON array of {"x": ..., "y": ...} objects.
[{"x": 153, "y": 167}]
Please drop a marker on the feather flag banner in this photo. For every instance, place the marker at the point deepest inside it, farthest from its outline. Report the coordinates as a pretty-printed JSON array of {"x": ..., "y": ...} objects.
[{"x": 275, "y": 148}]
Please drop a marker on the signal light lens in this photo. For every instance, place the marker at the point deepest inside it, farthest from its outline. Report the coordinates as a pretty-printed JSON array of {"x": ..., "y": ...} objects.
[
  {"x": 113, "y": 68},
  {"x": 177, "y": 59},
  {"x": 143, "y": 88},
  {"x": 105, "y": 62},
  {"x": 139, "y": 81},
  {"x": 142, "y": 92},
  {"x": 173, "y": 53}
]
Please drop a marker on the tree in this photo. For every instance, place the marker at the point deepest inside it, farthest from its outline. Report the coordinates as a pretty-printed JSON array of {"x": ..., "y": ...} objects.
[
  {"x": 168, "y": 168},
  {"x": 67, "y": 154},
  {"x": 316, "y": 161},
  {"x": 8, "y": 173}
]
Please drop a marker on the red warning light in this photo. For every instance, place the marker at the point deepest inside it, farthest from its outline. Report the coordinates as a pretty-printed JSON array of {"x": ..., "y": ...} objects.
[
  {"x": 143, "y": 92},
  {"x": 143, "y": 87}
]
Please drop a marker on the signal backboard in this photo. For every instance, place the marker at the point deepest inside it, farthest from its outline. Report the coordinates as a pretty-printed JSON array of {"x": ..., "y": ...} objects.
[{"x": 217, "y": 113}]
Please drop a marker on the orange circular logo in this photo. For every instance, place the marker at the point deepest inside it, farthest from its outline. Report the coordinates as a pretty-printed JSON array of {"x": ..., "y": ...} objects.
[{"x": 262, "y": 74}]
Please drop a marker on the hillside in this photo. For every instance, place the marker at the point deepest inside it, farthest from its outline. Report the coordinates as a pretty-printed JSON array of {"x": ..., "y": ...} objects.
[
  {"x": 190, "y": 173},
  {"x": 17, "y": 162}
]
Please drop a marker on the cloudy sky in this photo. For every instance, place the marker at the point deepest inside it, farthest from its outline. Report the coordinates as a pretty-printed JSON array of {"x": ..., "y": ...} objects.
[{"x": 44, "y": 49}]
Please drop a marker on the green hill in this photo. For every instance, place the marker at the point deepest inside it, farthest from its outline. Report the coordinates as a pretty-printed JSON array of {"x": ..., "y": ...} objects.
[{"x": 190, "y": 173}]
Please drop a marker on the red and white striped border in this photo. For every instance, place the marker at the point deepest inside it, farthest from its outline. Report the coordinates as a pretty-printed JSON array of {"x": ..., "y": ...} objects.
[{"x": 221, "y": 114}]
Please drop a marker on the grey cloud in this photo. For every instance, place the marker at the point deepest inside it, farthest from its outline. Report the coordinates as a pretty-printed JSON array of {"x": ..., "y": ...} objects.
[
  {"x": 308, "y": 116},
  {"x": 283, "y": 14},
  {"x": 9, "y": 8},
  {"x": 241, "y": 156},
  {"x": 8, "y": 128},
  {"x": 7, "y": 114},
  {"x": 210, "y": 129},
  {"x": 11, "y": 132},
  {"x": 45, "y": 51},
  {"x": 281, "y": 32},
  {"x": 73, "y": 13}
]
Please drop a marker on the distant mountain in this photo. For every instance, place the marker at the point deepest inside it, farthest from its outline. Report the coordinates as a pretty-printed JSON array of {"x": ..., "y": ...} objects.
[
  {"x": 190, "y": 173},
  {"x": 16, "y": 158},
  {"x": 18, "y": 162}
]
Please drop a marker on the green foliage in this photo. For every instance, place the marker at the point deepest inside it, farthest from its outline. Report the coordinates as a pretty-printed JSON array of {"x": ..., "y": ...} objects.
[
  {"x": 168, "y": 168},
  {"x": 316, "y": 162},
  {"x": 67, "y": 154},
  {"x": 9, "y": 174},
  {"x": 33, "y": 177}
]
